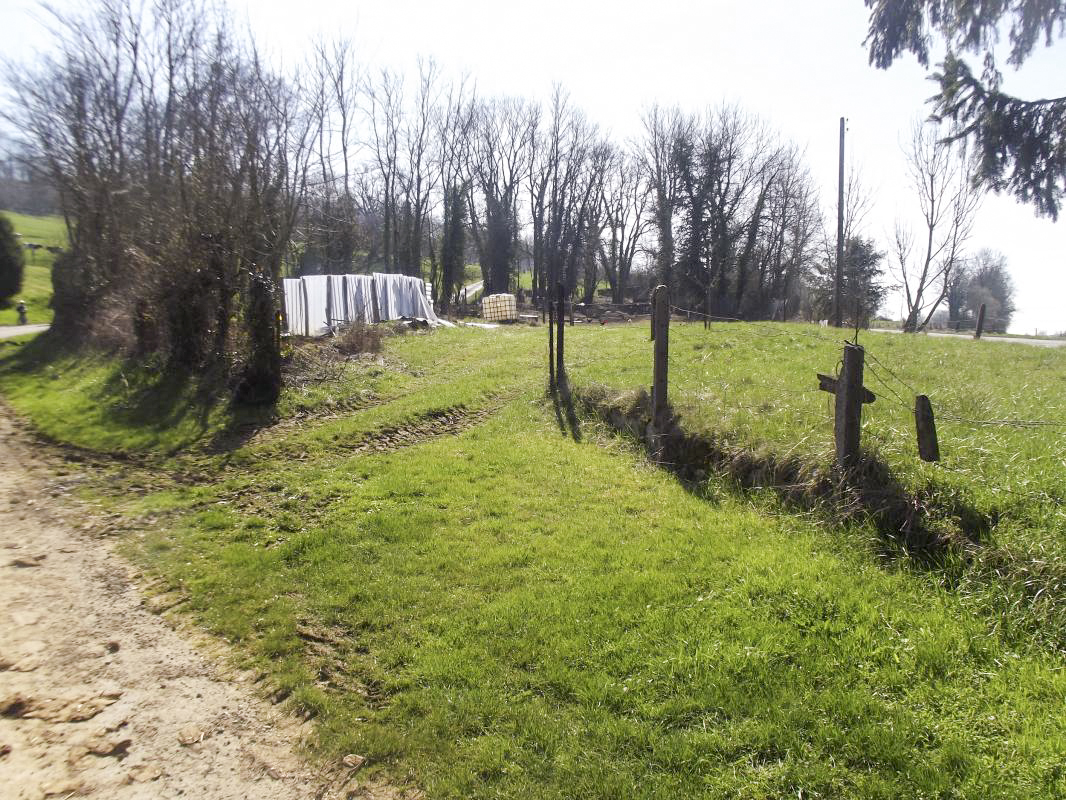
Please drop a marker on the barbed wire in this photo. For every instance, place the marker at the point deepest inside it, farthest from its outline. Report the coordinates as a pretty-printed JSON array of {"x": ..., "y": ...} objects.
[
  {"x": 764, "y": 329},
  {"x": 752, "y": 323},
  {"x": 899, "y": 400}
]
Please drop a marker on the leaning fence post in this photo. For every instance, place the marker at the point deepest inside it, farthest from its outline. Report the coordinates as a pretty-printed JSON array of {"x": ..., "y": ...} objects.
[
  {"x": 980, "y": 322},
  {"x": 560, "y": 319},
  {"x": 661, "y": 322},
  {"x": 849, "y": 396},
  {"x": 928, "y": 449}
]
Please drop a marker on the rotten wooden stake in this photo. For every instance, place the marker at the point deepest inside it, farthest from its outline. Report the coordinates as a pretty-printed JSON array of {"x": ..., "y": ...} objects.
[
  {"x": 928, "y": 449},
  {"x": 980, "y": 322}
]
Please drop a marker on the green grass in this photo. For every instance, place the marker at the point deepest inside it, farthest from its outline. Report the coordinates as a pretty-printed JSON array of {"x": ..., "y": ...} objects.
[
  {"x": 37, "y": 279},
  {"x": 754, "y": 386},
  {"x": 513, "y": 613}
]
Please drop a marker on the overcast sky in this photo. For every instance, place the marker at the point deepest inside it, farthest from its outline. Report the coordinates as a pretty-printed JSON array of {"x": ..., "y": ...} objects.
[{"x": 799, "y": 65}]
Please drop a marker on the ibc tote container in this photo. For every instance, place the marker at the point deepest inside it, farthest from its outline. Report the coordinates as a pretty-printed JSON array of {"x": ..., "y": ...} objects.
[{"x": 499, "y": 308}]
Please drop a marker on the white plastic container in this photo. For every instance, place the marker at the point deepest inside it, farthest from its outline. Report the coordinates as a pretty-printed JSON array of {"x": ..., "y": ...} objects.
[{"x": 499, "y": 308}]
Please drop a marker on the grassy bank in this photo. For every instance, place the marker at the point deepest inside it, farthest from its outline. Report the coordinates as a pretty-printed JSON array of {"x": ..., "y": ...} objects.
[
  {"x": 495, "y": 607},
  {"x": 1001, "y": 421},
  {"x": 37, "y": 280}
]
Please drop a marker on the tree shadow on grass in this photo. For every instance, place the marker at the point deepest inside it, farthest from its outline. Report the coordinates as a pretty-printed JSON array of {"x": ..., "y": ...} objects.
[
  {"x": 917, "y": 523},
  {"x": 143, "y": 396}
]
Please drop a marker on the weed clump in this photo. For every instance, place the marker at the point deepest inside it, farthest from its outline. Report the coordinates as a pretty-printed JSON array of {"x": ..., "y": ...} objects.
[{"x": 359, "y": 337}]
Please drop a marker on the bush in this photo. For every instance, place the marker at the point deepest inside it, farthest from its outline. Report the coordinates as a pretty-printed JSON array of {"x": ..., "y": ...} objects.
[{"x": 12, "y": 262}]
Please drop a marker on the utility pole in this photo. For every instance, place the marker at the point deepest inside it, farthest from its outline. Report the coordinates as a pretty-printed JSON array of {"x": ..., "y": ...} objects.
[{"x": 838, "y": 307}]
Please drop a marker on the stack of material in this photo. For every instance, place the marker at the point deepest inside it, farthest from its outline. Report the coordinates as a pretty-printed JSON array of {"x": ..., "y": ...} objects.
[
  {"x": 499, "y": 308},
  {"x": 315, "y": 304}
]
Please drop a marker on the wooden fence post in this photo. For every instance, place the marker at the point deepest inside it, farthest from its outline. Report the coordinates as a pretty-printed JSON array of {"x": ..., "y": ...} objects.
[
  {"x": 980, "y": 322},
  {"x": 551, "y": 345},
  {"x": 560, "y": 319},
  {"x": 849, "y": 397},
  {"x": 928, "y": 449},
  {"x": 661, "y": 320}
]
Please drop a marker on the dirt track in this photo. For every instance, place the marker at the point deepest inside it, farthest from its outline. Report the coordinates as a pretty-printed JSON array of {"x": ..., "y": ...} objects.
[{"x": 99, "y": 696}]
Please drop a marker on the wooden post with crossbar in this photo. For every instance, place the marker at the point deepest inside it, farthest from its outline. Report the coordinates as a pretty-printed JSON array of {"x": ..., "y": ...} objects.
[{"x": 848, "y": 420}]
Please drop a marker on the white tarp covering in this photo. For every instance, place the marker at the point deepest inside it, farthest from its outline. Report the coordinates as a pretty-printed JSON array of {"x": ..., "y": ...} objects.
[
  {"x": 316, "y": 289},
  {"x": 402, "y": 296},
  {"x": 314, "y": 303},
  {"x": 337, "y": 303},
  {"x": 359, "y": 290},
  {"x": 295, "y": 303}
]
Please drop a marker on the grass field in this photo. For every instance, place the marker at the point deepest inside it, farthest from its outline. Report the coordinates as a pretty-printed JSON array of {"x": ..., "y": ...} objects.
[
  {"x": 37, "y": 280},
  {"x": 503, "y": 609},
  {"x": 1001, "y": 423}
]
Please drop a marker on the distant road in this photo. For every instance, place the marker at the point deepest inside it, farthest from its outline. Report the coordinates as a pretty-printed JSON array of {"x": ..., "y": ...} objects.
[
  {"x": 11, "y": 331},
  {"x": 1015, "y": 339}
]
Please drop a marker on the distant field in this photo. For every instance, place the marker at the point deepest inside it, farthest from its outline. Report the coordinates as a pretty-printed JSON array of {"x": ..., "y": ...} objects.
[
  {"x": 37, "y": 282},
  {"x": 496, "y": 609}
]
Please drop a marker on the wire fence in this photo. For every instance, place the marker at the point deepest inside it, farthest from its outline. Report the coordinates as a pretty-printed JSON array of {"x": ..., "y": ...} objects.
[{"x": 983, "y": 463}]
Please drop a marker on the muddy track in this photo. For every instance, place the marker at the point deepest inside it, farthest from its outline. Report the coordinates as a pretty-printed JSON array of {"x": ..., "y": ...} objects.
[
  {"x": 421, "y": 429},
  {"x": 100, "y": 696}
]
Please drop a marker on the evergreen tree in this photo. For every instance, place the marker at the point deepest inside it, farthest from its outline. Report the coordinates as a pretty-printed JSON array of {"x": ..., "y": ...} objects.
[
  {"x": 453, "y": 244},
  {"x": 862, "y": 291},
  {"x": 12, "y": 262},
  {"x": 1021, "y": 143}
]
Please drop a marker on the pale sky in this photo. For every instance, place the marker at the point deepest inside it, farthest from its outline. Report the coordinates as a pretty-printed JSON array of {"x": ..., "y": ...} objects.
[{"x": 798, "y": 65}]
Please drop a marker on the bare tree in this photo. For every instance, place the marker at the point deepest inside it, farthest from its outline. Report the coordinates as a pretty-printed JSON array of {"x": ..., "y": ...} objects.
[
  {"x": 662, "y": 127},
  {"x": 454, "y": 130},
  {"x": 947, "y": 200},
  {"x": 418, "y": 175},
  {"x": 179, "y": 158},
  {"x": 564, "y": 181},
  {"x": 625, "y": 196},
  {"x": 499, "y": 162},
  {"x": 383, "y": 97},
  {"x": 332, "y": 220}
]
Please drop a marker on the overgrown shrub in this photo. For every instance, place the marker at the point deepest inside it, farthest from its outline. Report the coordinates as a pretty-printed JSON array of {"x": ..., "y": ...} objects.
[
  {"x": 359, "y": 337},
  {"x": 261, "y": 382},
  {"x": 12, "y": 262}
]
